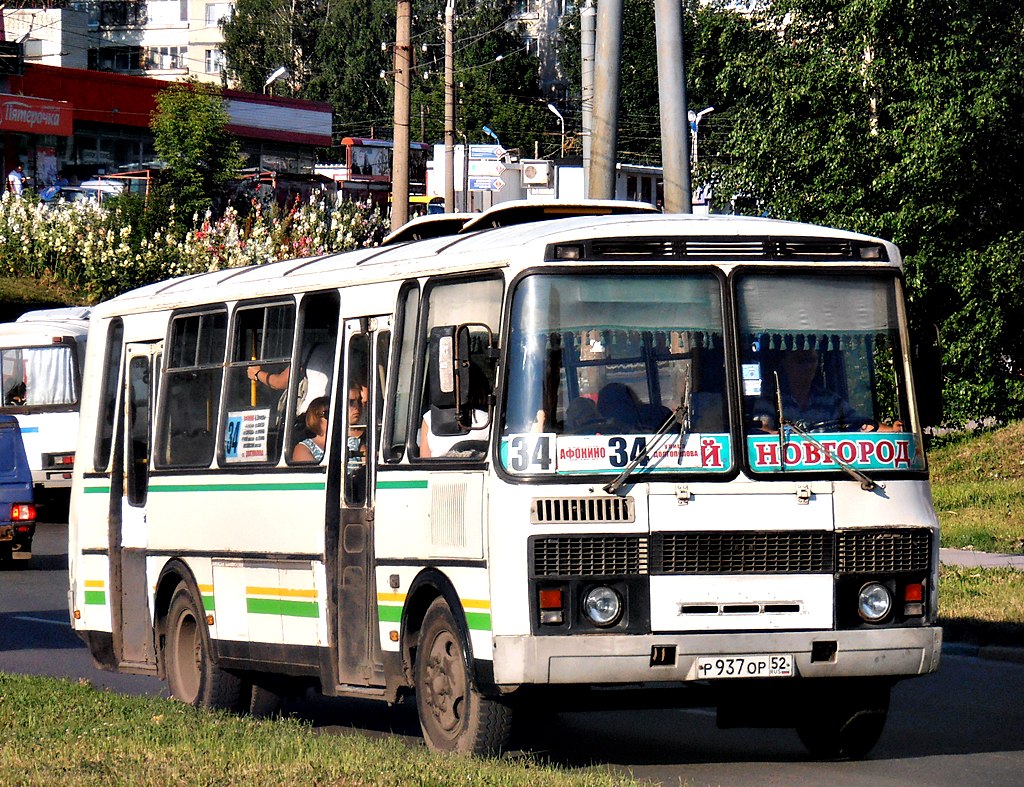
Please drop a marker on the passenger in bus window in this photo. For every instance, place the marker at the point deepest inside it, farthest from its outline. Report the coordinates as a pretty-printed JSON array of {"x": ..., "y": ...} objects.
[
  {"x": 318, "y": 367},
  {"x": 356, "y": 438},
  {"x": 312, "y": 448}
]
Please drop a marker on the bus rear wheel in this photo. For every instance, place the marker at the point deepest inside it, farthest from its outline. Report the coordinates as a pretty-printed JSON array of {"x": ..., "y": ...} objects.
[
  {"x": 192, "y": 676},
  {"x": 845, "y": 724},
  {"x": 454, "y": 715}
]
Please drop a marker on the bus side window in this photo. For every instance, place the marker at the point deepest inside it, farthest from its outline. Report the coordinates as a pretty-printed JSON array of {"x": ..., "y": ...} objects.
[
  {"x": 401, "y": 391},
  {"x": 108, "y": 395},
  {"x": 257, "y": 382},
  {"x": 191, "y": 401},
  {"x": 313, "y": 363},
  {"x": 477, "y": 304}
]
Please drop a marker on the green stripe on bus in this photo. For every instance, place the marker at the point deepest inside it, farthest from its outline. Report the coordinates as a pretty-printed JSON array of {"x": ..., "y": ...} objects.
[
  {"x": 479, "y": 621},
  {"x": 97, "y": 490},
  {"x": 414, "y": 484},
  {"x": 96, "y": 597},
  {"x": 294, "y": 609},
  {"x": 208, "y": 604}
]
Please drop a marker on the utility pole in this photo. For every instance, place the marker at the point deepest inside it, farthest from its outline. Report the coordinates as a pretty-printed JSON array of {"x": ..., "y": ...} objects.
[
  {"x": 449, "y": 106},
  {"x": 588, "y": 17},
  {"x": 400, "y": 144},
  {"x": 608, "y": 54},
  {"x": 675, "y": 130}
]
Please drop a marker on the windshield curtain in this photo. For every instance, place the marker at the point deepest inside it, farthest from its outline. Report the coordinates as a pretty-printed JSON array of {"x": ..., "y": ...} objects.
[
  {"x": 39, "y": 376},
  {"x": 598, "y": 363},
  {"x": 826, "y": 351}
]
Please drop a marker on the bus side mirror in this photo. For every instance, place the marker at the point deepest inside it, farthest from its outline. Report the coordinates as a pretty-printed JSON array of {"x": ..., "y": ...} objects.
[
  {"x": 927, "y": 361},
  {"x": 448, "y": 373}
]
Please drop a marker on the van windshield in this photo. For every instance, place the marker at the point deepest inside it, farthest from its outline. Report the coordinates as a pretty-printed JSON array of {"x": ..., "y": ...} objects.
[{"x": 599, "y": 364}]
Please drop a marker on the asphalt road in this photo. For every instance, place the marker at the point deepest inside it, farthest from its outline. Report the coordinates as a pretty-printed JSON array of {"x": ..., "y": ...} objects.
[{"x": 964, "y": 725}]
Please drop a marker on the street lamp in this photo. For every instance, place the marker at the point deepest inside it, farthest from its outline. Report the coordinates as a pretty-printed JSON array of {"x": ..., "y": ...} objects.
[
  {"x": 278, "y": 73},
  {"x": 694, "y": 118},
  {"x": 492, "y": 135},
  {"x": 561, "y": 122}
]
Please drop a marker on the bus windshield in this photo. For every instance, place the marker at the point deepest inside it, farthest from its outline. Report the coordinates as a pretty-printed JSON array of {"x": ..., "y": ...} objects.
[
  {"x": 599, "y": 365},
  {"x": 821, "y": 359},
  {"x": 38, "y": 376}
]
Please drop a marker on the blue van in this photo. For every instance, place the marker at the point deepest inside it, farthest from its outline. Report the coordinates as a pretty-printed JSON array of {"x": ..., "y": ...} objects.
[{"x": 17, "y": 511}]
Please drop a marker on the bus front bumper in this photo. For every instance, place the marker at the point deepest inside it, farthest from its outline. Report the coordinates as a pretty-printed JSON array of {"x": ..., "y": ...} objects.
[{"x": 610, "y": 659}]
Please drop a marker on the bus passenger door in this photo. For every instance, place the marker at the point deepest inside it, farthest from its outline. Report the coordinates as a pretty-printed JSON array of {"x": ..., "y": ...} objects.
[
  {"x": 129, "y": 534},
  {"x": 359, "y": 411}
]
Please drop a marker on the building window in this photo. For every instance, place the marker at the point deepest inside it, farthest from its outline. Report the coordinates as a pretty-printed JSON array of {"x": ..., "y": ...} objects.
[
  {"x": 122, "y": 13},
  {"x": 214, "y": 61},
  {"x": 183, "y": 10},
  {"x": 215, "y": 12},
  {"x": 116, "y": 58},
  {"x": 166, "y": 57}
]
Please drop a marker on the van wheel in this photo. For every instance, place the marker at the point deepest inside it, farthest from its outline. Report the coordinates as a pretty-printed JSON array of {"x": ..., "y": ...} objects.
[
  {"x": 845, "y": 725},
  {"x": 454, "y": 715},
  {"x": 192, "y": 676}
]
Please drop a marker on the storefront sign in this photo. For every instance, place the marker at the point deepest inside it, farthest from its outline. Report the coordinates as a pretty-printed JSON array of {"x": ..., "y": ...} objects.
[{"x": 35, "y": 115}]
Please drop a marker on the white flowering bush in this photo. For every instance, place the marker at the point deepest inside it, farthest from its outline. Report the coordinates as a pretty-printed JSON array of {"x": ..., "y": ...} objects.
[{"x": 101, "y": 250}]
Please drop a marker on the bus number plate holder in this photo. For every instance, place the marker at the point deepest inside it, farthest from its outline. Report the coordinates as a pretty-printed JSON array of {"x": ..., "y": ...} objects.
[{"x": 775, "y": 665}]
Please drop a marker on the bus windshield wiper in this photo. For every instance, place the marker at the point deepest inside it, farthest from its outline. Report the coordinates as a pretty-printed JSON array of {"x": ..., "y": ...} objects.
[
  {"x": 867, "y": 483},
  {"x": 681, "y": 416}
]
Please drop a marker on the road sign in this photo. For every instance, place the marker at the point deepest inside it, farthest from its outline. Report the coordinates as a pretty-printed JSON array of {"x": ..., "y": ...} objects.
[
  {"x": 486, "y": 184},
  {"x": 488, "y": 168},
  {"x": 482, "y": 152}
]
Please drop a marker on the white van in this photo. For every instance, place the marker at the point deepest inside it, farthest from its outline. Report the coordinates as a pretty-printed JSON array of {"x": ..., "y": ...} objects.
[{"x": 41, "y": 359}]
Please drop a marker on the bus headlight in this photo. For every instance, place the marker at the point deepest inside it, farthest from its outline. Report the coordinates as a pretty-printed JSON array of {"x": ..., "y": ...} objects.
[
  {"x": 874, "y": 602},
  {"x": 602, "y": 606}
]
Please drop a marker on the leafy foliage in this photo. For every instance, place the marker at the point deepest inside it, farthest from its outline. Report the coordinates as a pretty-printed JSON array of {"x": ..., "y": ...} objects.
[
  {"x": 189, "y": 137},
  {"x": 337, "y": 52}
]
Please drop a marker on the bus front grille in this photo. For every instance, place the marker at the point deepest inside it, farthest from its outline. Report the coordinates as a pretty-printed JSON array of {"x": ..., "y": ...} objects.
[
  {"x": 742, "y": 552},
  {"x": 873, "y": 550},
  {"x": 589, "y": 556},
  {"x": 579, "y": 510}
]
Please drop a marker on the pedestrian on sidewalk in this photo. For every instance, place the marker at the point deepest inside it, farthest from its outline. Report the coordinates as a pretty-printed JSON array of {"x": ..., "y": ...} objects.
[{"x": 16, "y": 180}]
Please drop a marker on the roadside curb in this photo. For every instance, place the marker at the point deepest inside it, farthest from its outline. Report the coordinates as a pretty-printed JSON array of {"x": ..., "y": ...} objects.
[{"x": 990, "y": 652}]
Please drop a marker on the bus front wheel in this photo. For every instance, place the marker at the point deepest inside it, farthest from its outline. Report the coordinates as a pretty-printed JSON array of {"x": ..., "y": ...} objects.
[
  {"x": 454, "y": 715},
  {"x": 845, "y": 724},
  {"x": 192, "y": 676}
]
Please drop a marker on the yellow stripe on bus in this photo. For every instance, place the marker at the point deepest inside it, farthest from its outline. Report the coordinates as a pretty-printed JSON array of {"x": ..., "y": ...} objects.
[
  {"x": 95, "y": 583},
  {"x": 281, "y": 592}
]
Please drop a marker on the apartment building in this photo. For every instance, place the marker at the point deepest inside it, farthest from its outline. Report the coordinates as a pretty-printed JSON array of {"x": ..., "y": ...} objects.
[{"x": 162, "y": 39}]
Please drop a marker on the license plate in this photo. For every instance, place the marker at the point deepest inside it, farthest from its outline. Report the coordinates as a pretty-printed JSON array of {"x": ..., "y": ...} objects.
[
  {"x": 750, "y": 666},
  {"x": 6, "y": 532}
]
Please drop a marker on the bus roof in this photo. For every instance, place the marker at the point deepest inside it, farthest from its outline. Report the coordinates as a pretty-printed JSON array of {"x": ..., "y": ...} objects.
[{"x": 646, "y": 236}]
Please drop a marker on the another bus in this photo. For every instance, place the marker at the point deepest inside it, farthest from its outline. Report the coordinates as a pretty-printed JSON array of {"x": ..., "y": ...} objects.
[
  {"x": 41, "y": 358},
  {"x": 621, "y": 506}
]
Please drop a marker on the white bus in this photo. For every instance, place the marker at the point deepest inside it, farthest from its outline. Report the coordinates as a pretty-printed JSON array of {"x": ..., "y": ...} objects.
[
  {"x": 41, "y": 359},
  {"x": 553, "y": 477}
]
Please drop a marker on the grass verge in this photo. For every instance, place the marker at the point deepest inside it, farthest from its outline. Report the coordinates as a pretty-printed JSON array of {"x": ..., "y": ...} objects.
[
  {"x": 978, "y": 490},
  {"x": 982, "y": 606},
  {"x": 56, "y": 731}
]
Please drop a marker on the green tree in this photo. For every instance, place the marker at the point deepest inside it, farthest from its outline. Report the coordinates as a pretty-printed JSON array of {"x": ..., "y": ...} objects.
[{"x": 190, "y": 138}]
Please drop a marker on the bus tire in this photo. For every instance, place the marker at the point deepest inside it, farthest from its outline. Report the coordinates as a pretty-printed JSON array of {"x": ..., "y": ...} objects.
[
  {"x": 848, "y": 725},
  {"x": 192, "y": 675},
  {"x": 454, "y": 715}
]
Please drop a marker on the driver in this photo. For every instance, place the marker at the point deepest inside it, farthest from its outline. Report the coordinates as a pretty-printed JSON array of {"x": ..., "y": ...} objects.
[{"x": 805, "y": 400}]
